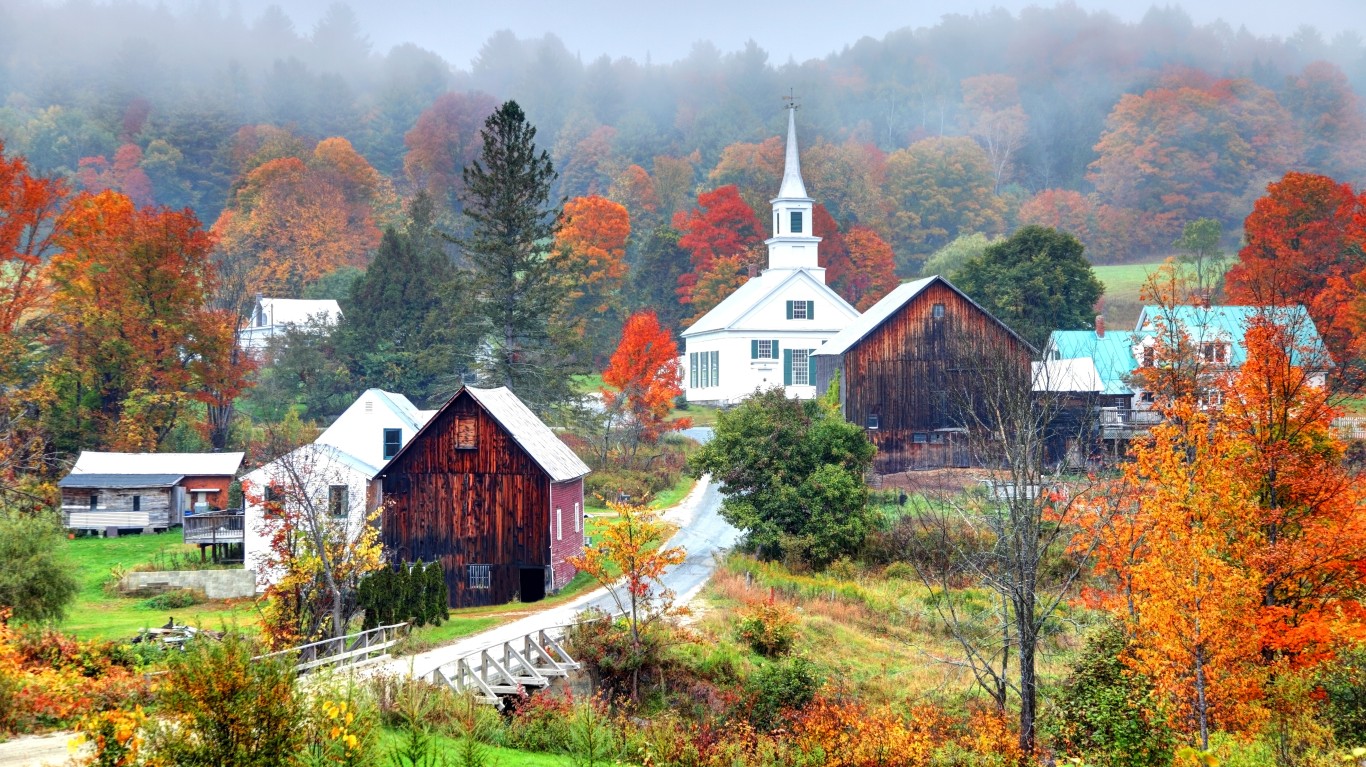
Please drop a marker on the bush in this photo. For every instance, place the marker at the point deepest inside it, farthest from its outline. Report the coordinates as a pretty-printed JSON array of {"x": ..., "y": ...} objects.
[
  {"x": 221, "y": 707},
  {"x": 36, "y": 583},
  {"x": 1343, "y": 681},
  {"x": 789, "y": 684},
  {"x": 412, "y": 590},
  {"x": 769, "y": 628},
  {"x": 172, "y": 600},
  {"x": 540, "y": 722},
  {"x": 1106, "y": 713}
]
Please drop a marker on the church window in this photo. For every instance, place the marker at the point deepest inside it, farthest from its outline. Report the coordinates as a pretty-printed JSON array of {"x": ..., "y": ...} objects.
[
  {"x": 796, "y": 222},
  {"x": 801, "y": 310},
  {"x": 763, "y": 350},
  {"x": 799, "y": 367}
]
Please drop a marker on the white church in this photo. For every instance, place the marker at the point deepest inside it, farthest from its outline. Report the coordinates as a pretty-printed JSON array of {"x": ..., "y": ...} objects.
[{"x": 763, "y": 334}]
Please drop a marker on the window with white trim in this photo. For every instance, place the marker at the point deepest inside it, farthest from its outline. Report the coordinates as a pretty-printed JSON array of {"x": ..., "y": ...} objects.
[
  {"x": 578, "y": 518},
  {"x": 559, "y": 524},
  {"x": 799, "y": 309},
  {"x": 479, "y": 576},
  {"x": 704, "y": 369},
  {"x": 338, "y": 504},
  {"x": 801, "y": 367}
]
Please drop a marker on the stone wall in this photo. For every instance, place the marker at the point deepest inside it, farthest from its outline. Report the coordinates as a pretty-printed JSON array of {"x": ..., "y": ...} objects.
[{"x": 216, "y": 584}]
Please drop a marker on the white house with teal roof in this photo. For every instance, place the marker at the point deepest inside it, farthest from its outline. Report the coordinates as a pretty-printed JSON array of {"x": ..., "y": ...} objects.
[
  {"x": 764, "y": 333},
  {"x": 1102, "y": 364}
]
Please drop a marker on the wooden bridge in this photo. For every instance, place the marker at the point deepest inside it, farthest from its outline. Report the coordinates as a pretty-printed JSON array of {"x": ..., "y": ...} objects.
[
  {"x": 350, "y": 650},
  {"x": 509, "y": 669}
]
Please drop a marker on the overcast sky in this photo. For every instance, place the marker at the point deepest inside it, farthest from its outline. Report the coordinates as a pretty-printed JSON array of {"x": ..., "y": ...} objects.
[{"x": 798, "y": 29}]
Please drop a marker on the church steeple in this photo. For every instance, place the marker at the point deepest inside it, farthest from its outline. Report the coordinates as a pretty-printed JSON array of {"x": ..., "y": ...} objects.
[{"x": 792, "y": 245}]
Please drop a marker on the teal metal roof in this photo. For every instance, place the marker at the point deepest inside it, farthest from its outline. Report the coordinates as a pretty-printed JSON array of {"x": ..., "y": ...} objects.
[
  {"x": 1114, "y": 357},
  {"x": 1112, "y": 354},
  {"x": 1230, "y": 323}
]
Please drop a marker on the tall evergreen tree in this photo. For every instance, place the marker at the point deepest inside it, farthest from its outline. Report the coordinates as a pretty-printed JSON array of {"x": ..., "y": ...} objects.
[
  {"x": 393, "y": 332},
  {"x": 512, "y": 226}
]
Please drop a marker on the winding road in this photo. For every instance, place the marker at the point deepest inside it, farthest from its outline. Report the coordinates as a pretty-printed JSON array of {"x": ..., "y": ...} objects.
[{"x": 702, "y": 533}]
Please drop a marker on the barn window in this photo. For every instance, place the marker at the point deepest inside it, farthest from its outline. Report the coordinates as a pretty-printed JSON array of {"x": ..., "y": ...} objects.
[
  {"x": 480, "y": 576},
  {"x": 578, "y": 517},
  {"x": 938, "y": 311},
  {"x": 872, "y": 421},
  {"x": 920, "y": 438},
  {"x": 466, "y": 432},
  {"x": 559, "y": 524},
  {"x": 338, "y": 504},
  {"x": 137, "y": 503},
  {"x": 94, "y": 501},
  {"x": 393, "y": 439}
]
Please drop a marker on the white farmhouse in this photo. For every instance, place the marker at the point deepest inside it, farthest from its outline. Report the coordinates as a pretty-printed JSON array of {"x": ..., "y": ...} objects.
[
  {"x": 763, "y": 334},
  {"x": 335, "y": 473},
  {"x": 272, "y": 316}
]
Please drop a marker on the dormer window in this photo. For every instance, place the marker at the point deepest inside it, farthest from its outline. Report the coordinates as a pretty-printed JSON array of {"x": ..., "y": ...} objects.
[
  {"x": 796, "y": 222},
  {"x": 1216, "y": 353},
  {"x": 393, "y": 440}
]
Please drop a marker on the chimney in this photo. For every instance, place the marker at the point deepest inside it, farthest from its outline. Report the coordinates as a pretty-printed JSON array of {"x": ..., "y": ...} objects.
[
  {"x": 1100, "y": 326},
  {"x": 752, "y": 270}
]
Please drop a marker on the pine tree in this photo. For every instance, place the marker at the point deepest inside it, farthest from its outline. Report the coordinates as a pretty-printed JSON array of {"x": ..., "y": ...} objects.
[
  {"x": 512, "y": 227},
  {"x": 438, "y": 596}
]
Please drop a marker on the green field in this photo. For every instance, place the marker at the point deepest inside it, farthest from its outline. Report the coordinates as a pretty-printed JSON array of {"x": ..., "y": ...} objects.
[
  {"x": 97, "y": 615},
  {"x": 1123, "y": 285}
]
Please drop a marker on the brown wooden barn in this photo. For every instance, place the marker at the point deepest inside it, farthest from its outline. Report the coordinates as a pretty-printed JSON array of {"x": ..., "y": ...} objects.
[
  {"x": 911, "y": 364},
  {"x": 488, "y": 490}
]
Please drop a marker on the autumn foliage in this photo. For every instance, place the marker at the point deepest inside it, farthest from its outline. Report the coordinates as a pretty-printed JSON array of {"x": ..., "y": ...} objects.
[
  {"x": 643, "y": 379},
  {"x": 723, "y": 225}
]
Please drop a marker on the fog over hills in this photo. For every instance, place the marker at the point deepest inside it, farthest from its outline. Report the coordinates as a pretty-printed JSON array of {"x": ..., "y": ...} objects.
[{"x": 799, "y": 30}]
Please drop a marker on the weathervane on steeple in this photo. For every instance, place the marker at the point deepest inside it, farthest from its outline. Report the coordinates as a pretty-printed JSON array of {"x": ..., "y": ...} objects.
[{"x": 791, "y": 99}]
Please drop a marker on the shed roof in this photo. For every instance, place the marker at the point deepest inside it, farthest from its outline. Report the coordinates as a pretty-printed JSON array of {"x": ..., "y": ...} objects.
[
  {"x": 1112, "y": 355},
  {"x": 1067, "y": 375},
  {"x": 881, "y": 311},
  {"x": 185, "y": 464},
  {"x": 531, "y": 433},
  {"x": 298, "y": 311},
  {"x": 118, "y": 481}
]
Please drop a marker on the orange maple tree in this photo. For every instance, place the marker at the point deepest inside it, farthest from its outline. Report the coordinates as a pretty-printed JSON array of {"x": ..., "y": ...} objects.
[
  {"x": 718, "y": 279},
  {"x": 643, "y": 379},
  {"x": 124, "y": 174},
  {"x": 590, "y": 251},
  {"x": 869, "y": 272},
  {"x": 131, "y": 330},
  {"x": 1304, "y": 245}
]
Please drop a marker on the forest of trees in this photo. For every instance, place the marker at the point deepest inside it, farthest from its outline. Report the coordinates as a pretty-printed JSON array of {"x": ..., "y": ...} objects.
[{"x": 244, "y": 157}]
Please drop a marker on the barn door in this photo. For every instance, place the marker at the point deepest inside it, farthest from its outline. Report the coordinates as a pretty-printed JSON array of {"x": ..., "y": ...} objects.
[{"x": 533, "y": 584}]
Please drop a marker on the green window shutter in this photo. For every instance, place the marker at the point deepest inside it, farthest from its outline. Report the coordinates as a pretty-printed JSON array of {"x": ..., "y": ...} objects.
[
  {"x": 811, "y": 310},
  {"x": 789, "y": 310},
  {"x": 811, "y": 367},
  {"x": 774, "y": 354},
  {"x": 787, "y": 367},
  {"x": 754, "y": 350}
]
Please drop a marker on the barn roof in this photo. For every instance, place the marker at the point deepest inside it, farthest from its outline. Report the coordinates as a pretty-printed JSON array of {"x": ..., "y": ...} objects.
[
  {"x": 185, "y": 464},
  {"x": 881, "y": 311},
  {"x": 118, "y": 481},
  {"x": 530, "y": 432}
]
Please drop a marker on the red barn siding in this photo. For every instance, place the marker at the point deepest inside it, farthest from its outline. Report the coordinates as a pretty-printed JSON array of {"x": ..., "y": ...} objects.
[
  {"x": 566, "y": 528},
  {"x": 913, "y": 370},
  {"x": 218, "y": 499},
  {"x": 485, "y": 506}
]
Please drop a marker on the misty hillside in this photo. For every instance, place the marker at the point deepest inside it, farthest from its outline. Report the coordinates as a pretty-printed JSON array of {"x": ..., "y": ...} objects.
[{"x": 1119, "y": 132}]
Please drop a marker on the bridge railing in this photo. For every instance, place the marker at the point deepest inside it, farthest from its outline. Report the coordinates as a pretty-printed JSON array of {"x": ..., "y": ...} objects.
[{"x": 347, "y": 650}]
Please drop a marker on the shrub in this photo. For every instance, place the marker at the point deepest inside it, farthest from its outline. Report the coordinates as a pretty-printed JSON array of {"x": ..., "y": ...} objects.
[
  {"x": 1106, "y": 713},
  {"x": 221, "y": 707},
  {"x": 1343, "y": 682},
  {"x": 36, "y": 583},
  {"x": 788, "y": 684},
  {"x": 540, "y": 722},
  {"x": 769, "y": 628},
  {"x": 171, "y": 600}
]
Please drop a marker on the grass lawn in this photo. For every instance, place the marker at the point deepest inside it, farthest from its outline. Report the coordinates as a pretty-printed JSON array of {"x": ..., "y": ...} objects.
[
  {"x": 391, "y": 738},
  {"x": 1124, "y": 281},
  {"x": 96, "y": 615}
]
